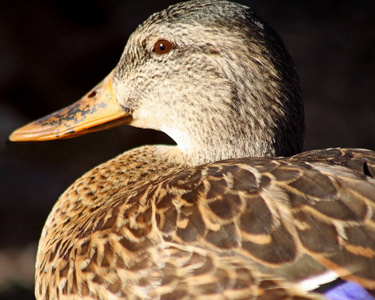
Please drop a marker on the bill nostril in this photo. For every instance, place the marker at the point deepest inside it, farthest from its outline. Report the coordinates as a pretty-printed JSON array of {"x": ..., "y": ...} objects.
[{"x": 92, "y": 94}]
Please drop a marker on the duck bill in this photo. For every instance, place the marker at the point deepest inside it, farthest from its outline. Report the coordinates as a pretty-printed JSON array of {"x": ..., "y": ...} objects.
[{"x": 97, "y": 110}]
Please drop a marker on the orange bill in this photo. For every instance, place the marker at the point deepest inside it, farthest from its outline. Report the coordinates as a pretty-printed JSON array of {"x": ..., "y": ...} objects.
[{"x": 97, "y": 110}]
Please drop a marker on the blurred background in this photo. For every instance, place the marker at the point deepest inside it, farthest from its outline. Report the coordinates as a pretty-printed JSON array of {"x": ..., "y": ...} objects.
[{"x": 53, "y": 52}]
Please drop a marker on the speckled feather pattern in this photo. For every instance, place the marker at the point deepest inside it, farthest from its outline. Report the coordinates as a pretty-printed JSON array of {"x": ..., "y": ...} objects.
[
  {"x": 225, "y": 214},
  {"x": 215, "y": 229},
  {"x": 223, "y": 64}
]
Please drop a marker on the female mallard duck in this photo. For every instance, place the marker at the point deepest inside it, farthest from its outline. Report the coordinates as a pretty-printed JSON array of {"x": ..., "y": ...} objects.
[{"x": 221, "y": 215}]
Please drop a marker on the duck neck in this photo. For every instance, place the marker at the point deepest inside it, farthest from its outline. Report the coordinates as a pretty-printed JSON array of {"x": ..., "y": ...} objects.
[{"x": 210, "y": 148}]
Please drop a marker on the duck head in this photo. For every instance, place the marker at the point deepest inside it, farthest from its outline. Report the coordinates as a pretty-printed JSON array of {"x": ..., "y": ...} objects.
[{"x": 209, "y": 74}]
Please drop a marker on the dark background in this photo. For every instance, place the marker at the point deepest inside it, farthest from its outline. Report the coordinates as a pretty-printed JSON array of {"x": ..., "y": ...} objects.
[{"x": 53, "y": 52}]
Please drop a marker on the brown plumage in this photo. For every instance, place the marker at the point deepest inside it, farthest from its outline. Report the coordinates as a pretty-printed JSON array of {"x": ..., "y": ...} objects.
[{"x": 221, "y": 215}]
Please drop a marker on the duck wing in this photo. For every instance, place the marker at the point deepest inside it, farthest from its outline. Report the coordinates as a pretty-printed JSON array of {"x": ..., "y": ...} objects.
[{"x": 296, "y": 217}]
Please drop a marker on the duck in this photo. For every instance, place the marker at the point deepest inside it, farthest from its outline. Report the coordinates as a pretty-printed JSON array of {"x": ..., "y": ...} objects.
[{"x": 234, "y": 210}]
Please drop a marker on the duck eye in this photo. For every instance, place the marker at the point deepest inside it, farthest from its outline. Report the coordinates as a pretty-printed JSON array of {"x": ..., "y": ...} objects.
[{"x": 163, "y": 47}]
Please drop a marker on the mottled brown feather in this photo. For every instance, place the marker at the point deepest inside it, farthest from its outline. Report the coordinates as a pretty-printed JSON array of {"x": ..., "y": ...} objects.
[
  {"x": 216, "y": 217},
  {"x": 142, "y": 242}
]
